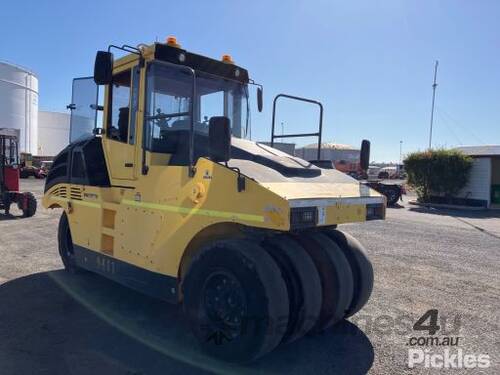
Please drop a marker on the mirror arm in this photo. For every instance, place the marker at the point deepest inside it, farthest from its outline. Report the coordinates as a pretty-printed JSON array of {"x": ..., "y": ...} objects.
[
  {"x": 130, "y": 49},
  {"x": 261, "y": 89},
  {"x": 240, "y": 180},
  {"x": 95, "y": 107}
]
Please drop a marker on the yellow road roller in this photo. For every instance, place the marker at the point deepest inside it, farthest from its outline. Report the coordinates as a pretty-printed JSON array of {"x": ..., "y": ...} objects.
[{"x": 168, "y": 196}]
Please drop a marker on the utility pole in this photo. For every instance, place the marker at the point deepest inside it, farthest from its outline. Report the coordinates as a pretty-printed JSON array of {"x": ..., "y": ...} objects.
[
  {"x": 282, "y": 128},
  {"x": 400, "y": 151},
  {"x": 434, "y": 85}
]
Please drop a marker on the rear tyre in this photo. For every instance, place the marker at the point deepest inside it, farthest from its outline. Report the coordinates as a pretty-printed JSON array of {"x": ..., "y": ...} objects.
[
  {"x": 335, "y": 275},
  {"x": 65, "y": 242},
  {"x": 30, "y": 207},
  {"x": 362, "y": 269},
  {"x": 392, "y": 194},
  {"x": 302, "y": 282},
  {"x": 236, "y": 300}
]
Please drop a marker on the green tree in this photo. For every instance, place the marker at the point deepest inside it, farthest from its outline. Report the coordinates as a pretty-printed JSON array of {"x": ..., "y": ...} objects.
[{"x": 436, "y": 172}]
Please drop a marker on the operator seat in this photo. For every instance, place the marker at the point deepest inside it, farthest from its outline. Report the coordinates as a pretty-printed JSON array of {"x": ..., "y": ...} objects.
[{"x": 123, "y": 117}]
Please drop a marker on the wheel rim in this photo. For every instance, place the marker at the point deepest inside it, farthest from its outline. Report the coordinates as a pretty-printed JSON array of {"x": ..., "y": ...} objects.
[
  {"x": 392, "y": 196},
  {"x": 225, "y": 302}
]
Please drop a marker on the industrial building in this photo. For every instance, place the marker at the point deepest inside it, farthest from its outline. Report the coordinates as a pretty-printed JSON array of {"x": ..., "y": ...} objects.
[
  {"x": 329, "y": 151},
  {"x": 483, "y": 187}
]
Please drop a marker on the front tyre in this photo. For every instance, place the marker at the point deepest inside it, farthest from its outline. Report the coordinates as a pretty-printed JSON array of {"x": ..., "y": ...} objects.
[
  {"x": 393, "y": 194},
  {"x": 361, "y": 266},
  {"x": 302, "y": 281},
  {"x": 65, "y": 242},
  {"x": 236, "y": 300},
  {"x": 29, "y": 204},
  {"x": 335, "y": 275}
]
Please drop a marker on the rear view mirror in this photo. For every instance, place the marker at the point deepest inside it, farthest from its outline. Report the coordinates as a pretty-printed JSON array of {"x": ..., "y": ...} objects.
[
  {"x": 103, "y": 68},
  {"x": 259, "y": 98},
  {"x": 364, "y": 158},
  {"x": 219, "y": 138}
]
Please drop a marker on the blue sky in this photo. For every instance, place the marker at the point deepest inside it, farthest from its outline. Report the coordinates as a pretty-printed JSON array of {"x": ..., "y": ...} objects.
[{"x": 369, "y": 62}]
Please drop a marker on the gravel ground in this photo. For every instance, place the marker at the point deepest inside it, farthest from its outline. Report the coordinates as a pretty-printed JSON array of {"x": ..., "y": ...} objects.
[{"x": 54, "y": 323}]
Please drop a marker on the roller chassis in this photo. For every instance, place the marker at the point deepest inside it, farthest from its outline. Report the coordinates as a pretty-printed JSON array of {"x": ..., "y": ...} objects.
[{"x": 255, "y": 292}]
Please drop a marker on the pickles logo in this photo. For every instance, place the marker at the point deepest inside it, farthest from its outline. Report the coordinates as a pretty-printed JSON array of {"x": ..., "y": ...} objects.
[{"x": 450, "y": 357}]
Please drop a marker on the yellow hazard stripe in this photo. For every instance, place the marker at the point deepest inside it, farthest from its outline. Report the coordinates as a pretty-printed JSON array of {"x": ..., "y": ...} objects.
[
  {"x": 175, "y": 209},
  {"x": 194, "y": 211}
]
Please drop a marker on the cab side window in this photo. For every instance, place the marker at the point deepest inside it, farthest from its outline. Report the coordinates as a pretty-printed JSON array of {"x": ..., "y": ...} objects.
[
  {"x": 119, "y": 99},
  {"x": 168, "y": 102}
]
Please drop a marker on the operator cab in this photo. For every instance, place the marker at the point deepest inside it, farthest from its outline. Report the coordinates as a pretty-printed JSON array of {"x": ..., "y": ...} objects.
[
  {"x": 9, "y": 161},
  {"x": 160, "y": 98}
]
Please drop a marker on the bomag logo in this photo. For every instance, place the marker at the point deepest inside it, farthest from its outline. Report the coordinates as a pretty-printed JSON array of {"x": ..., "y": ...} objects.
[{"x": 207, "y": 175}]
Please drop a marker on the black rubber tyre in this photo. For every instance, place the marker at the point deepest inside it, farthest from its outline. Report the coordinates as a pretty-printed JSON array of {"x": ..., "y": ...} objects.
[
  {"x": 362, "y": 269},
  {"x": 302, "y": 282},
  {"x": 392, "y": 194},
  {"x": 335, "y": 275},
  {"x": 65, "y": 243},
  {"x": 30, "y": 208},
  {"x": 236, "y": 300}
]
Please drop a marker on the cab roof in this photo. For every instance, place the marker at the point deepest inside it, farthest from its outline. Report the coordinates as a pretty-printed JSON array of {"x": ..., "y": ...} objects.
[{"x": 179, "y": 56}]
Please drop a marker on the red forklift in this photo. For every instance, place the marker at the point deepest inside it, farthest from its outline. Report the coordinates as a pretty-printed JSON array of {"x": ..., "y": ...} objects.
[{"x": 9, "y": 175}]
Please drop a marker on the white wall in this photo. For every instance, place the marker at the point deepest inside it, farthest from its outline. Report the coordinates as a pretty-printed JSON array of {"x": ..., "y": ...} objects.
[
  {"x": 53, "y": 132},
  {"x": 479, "y": 180}
]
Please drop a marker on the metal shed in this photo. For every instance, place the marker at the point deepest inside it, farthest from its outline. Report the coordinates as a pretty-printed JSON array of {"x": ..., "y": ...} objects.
[{"x": 484, "y": 181}]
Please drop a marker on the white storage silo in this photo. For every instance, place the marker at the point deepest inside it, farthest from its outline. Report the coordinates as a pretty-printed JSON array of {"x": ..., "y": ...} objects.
[
  {"x": 53, "y": 132},
  {"x": 19, "y": 104}
]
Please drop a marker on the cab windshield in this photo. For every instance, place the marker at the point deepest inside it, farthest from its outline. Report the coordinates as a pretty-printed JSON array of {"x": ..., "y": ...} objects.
[{"x": 172, "y": 99}]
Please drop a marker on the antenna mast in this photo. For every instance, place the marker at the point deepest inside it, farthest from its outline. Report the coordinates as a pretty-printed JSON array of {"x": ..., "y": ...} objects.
[{"x": 434, "y": 85}]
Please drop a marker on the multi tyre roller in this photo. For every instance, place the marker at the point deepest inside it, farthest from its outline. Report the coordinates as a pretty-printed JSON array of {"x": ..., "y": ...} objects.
[
  {"x": 243, "y": 298},
  {"x": 181, "y": 206}
]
